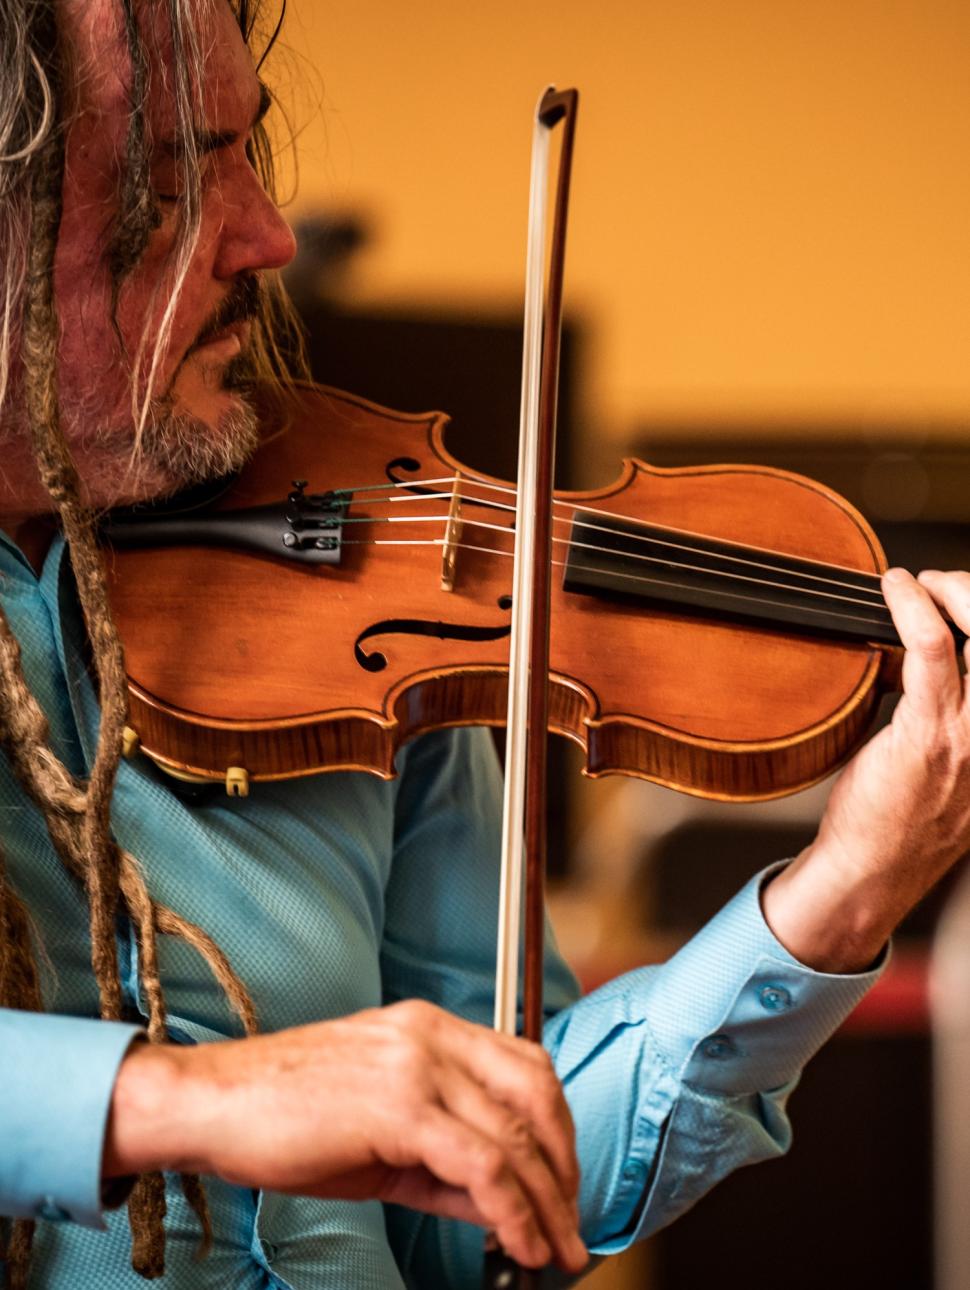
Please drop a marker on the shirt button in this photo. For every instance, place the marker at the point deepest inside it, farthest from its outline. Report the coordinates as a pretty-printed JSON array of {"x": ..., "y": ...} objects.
[
  {"x": 718, "y": 1048},
  {"x": 270, "y": 1251},
  {"x": 775, "y": 998},
  {"x": 52, "y": 1212},
  {"x": 635, "y": 1171}
]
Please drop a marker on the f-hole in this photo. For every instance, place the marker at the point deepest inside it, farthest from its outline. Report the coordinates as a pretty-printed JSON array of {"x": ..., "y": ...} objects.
[{"x": 375, "y": 661}]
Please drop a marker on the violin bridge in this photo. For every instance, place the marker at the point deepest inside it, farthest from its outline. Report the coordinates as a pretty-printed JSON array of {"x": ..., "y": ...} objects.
[{"x": 453, "y": 528}]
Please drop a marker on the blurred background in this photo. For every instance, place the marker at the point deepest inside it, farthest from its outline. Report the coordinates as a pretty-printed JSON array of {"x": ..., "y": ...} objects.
[{"x": 767, "y": 262}]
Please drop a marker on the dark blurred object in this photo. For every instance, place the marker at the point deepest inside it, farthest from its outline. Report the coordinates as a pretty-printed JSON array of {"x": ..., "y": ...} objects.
[
  {"x": 848, "y": 1209},
  {"x": 465, "y": 362},
  {"x": 462, "y": 363},
  {"x": 699, "y": 866},
  {"x": 325, "y": 249}
]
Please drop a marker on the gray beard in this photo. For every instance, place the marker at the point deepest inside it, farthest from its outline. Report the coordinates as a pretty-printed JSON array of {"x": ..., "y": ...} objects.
[
  {"x": 175, "y": 451},
  {"x": 185, "y": 451}
]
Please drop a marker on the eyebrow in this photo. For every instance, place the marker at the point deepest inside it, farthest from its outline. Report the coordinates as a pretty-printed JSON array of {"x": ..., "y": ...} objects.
[{"x": 212, "y": 140}]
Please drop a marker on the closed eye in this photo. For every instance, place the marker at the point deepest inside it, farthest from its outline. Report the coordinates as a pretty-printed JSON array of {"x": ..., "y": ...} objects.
[{"x": 213, "y": 140}]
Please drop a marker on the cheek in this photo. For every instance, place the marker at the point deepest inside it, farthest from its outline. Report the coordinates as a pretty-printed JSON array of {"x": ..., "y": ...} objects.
[
  {"x": 89, "y": 200},
  {"x": 82, "y": 284},
  {"x": 89, "y": 354},
  {"x": 89, "y": 357},
  {"x": 147, "y": 291}
]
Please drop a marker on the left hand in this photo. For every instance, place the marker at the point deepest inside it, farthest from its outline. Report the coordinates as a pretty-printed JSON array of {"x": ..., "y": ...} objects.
[{"x": 899, "y": 815}]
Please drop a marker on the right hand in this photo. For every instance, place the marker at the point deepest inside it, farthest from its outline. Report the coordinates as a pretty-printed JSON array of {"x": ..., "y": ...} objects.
[{"x": 405, "y": 1104}]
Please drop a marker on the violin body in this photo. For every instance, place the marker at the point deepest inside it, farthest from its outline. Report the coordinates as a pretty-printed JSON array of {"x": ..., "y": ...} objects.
[{"x": 249, "y": 661}]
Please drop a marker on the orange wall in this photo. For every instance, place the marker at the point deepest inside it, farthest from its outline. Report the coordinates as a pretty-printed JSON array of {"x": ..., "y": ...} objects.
[{"x": 771, "y": 212}]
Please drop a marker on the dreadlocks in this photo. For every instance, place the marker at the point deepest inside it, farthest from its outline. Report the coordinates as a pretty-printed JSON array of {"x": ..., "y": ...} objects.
[{"x": 34, "y": 118}]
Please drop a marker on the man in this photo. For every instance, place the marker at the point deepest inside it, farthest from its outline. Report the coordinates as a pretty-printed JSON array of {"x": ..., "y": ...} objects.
[{"x": 346, "y": 910}]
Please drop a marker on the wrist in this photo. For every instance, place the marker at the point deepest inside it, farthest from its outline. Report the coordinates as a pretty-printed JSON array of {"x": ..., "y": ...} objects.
[
  {"x": 827, "y": 916},
  {"x": 154, "y": 1122}
]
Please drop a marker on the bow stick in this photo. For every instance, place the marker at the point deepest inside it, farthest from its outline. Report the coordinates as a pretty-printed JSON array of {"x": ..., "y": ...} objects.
[{"x": 524, "y": 812}]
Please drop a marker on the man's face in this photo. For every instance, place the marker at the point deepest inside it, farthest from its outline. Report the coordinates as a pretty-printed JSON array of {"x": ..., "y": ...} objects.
[{"x": 242, "y": 233}]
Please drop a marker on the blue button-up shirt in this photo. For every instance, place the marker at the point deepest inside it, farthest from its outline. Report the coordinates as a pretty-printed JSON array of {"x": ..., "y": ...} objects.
[{"x": 340, "y": 892}]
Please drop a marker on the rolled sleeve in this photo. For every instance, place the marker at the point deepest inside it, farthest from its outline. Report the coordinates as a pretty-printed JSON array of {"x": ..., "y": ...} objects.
[{"x": 56, "y": 1080}]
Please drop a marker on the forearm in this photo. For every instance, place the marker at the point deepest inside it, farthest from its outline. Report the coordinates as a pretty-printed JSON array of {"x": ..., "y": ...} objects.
[
  {"x": 899, "y": 814},
  {"x": 829, "y": 918}
]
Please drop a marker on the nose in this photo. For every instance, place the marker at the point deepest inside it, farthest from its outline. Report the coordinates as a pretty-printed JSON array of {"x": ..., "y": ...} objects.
[{"x": 254, "y": 234}]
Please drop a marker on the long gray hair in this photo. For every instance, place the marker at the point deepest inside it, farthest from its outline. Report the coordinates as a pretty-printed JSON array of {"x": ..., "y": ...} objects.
[{"x": 36, "y": 102}]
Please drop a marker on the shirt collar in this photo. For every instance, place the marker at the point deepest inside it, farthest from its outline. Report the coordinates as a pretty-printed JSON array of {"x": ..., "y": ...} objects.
[{"x": 15, "y": 566}]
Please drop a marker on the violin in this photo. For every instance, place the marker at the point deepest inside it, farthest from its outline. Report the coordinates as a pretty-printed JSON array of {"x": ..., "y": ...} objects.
[{"x": 716, "y": 629}]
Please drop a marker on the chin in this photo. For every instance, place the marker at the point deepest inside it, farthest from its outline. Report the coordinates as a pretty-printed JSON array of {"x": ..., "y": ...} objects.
[
  {"x": 187, "y": 450},
  {"x": 206, "y": 428}
]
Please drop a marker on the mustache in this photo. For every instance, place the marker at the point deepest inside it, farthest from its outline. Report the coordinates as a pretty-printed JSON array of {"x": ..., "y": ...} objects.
[{"x": 243, "y": 302}]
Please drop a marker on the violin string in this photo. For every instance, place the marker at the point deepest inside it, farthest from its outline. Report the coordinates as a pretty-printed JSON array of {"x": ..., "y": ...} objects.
[
  {"x": 654, "y": 536},
  {"x": 637, "y": 578},
  {"x": 398, "y": 483},
  {"x": 744, "y": 551},
  {"x": 877, "y": 621},
  {"x": 413, "y": 519},
  {"x": 635, "y": 555},
  {"x": 721, "y": 573},
  {"x": 678, "y": 546},
  {"x": 665, "y": 541}
]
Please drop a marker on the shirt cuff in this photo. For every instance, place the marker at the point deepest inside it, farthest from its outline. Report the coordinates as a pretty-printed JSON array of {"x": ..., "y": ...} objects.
[
  {"x": 57, "y": 1075},
  {"x": 735, "y": 1013}
]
